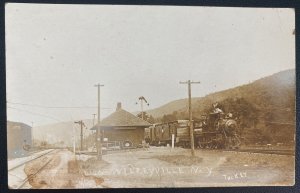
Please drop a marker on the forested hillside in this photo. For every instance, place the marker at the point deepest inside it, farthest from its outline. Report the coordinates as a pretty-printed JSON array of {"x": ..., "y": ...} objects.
[{"x": 264, "y": 108}]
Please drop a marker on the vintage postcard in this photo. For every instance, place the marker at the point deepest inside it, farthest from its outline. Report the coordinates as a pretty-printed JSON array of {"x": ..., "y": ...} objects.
[{"x": 115, "y": 96}]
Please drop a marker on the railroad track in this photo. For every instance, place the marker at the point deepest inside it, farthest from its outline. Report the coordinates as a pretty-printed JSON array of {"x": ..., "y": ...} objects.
[
  {"x": 18, "y": 178},
  {"x": 265, "y": 151},
  {"x": 110, "y": 151},
  {"x": 262, "y": 151},
  {"x": 23, "y": 163}
]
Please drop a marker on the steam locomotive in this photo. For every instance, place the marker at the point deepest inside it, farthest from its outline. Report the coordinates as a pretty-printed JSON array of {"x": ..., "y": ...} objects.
[{"x": 212, "y": 131}]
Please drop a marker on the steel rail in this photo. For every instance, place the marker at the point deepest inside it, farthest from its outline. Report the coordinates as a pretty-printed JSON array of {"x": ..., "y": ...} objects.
[{"x": 19, "y": 165}]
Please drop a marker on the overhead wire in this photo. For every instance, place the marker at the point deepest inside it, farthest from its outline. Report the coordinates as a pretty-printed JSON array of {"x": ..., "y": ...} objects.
[
  {"x": 34, "y": 113},
  {"x": 55, "y": 107}
]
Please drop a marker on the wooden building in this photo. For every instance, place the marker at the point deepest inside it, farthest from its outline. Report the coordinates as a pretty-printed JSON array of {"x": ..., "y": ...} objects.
[
  {"x": 19, "y": 139},
  {"x": 123, "y": 128}
]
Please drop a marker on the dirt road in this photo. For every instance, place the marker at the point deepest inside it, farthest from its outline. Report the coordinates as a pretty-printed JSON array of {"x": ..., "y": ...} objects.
[
  {"x": 163, "y": 167},
  {"x": 159, "y": 167}
]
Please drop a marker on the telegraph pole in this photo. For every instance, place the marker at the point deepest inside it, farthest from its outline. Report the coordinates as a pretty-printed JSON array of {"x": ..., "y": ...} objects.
[
  {"x": 74, "y": 142},
  {"x": 93, "y": 132},
  {"x": 94, "y": 115},
  {"x": 98, "y": 133},
  {"x": 142, "y": 109},
  {"x": 81, "y": 133},
  {"x": 190, "y": 114},
  {"x": 142, "y": 99}
]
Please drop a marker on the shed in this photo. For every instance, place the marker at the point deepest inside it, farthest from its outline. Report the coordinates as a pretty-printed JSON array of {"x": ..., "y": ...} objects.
[
  {"x": 122, "y": 126},
  {"x": 19, "y": 139}
]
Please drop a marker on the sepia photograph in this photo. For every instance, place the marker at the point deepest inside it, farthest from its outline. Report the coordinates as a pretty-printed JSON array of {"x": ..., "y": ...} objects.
[{"x": 139, "y": 96}]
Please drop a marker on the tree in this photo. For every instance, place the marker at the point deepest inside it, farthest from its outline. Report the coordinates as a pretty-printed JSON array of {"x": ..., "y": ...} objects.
[
  {"x": 146, "y": 117},
  {"x": 151, "y": 119},
  {"x": 168, "y": 118}
]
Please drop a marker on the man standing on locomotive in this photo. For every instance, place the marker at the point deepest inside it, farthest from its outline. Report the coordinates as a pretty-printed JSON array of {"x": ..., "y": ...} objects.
[
  {"x": 219, "y": 115},
  {"x": 217, "y": 109}
]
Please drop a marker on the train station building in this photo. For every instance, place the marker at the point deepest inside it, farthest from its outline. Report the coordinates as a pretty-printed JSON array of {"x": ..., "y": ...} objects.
[{"x": 122, "y": 128}]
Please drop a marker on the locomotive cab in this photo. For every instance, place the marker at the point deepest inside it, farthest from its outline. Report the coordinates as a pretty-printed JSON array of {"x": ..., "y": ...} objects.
[{"x": 214, "y": 121}]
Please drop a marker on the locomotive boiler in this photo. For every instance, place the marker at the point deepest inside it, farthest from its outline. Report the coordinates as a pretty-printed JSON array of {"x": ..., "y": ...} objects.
[{"x": 217, "y": 132}]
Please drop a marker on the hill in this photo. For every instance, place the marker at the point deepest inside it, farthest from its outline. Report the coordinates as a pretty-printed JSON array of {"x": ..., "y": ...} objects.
[
  {"x": 258, "y": 105},
  {"x": 60, "y": 134},
  {"x": 275, "y": 91},
  {"x": 170, "y": 107}
]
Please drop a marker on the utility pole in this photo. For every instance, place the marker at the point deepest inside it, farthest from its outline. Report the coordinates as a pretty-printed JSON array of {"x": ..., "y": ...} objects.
[
  {"x": 142, "y": 99},
  {"x": 74, "y": 143},
  {"x": 98, "y": 132},
  {"x": 32, "y": 140},
  {"x": 190, "y": 114},
  {"x": 94, "y": 115},
  {"x": 81, "y": 133}
]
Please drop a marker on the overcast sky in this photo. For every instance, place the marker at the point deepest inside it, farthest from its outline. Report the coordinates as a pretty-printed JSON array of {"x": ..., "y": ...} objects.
[{"x": 56, "y": 53}]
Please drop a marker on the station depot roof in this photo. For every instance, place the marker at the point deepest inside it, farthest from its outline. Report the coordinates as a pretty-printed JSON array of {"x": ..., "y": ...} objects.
[{"x": 122, "y": 118}]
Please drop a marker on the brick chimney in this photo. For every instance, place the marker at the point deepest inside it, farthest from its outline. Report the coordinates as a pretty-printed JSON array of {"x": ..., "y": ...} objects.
[{"x": 119, "y": 106}]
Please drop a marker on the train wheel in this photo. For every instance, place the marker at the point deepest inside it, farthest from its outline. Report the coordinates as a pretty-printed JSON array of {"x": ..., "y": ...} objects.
[
  {"x": 187, "y": 144},
  {"x": 236, "y": 142},
  {"x": 219, "y": 146},
  {"x": 127, "y": 144},
  {"x": 182, "y": 144},
  {"x": 201, "y": 145},
  {"x": 202, "y": 142},
  {"x": 209, "y": 145},
  {"x": 214, "y": 146},
  {"x": 227, "y": 143}
]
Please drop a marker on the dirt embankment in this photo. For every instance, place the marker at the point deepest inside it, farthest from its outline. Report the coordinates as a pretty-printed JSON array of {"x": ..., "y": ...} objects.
[
  {"x": 180, "y": 160},
  {"x": 62, "y": 171},
  {"x": 281, "y": 166}
]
